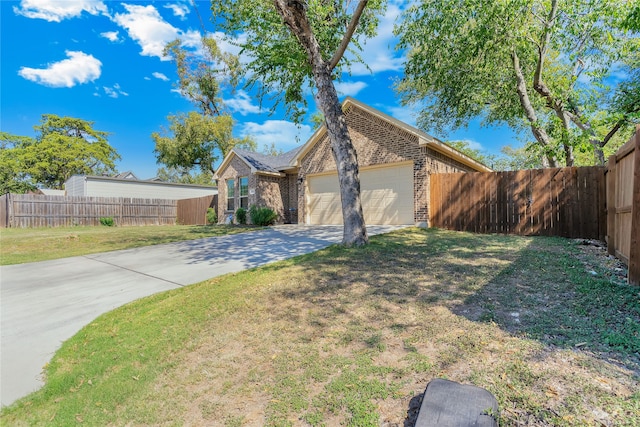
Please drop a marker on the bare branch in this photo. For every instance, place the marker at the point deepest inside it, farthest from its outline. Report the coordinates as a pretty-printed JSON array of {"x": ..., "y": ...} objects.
[
  {"x": 612, "y": 132},
  {"x": 348, "y": 34},
  {"x": 538, "y": 131},
  {"x": 538, "y": 84}
]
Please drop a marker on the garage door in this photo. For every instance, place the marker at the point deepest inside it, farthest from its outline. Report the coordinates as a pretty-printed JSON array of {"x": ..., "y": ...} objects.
[{"x": 386, "y": 193}]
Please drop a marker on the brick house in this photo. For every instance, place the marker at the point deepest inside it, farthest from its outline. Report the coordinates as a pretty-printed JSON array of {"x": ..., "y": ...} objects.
[{"x": 394, "y": 159}]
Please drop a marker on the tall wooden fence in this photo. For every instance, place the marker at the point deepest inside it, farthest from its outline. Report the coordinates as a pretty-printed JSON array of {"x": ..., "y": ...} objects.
[
  {"x": 32, "y": 210},
  {"x": 623, "y": 205},
  {"x": 568, "y": 202},
  {"x": 194, "y": 211}
]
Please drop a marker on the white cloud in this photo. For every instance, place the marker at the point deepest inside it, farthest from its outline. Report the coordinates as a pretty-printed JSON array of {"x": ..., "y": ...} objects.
[
  {"x": 111, "y": 35},
  {"x": 160, "y": 76},
  {"x": 349, "y": 88},
  {"x": 378, "y": 51},
  {"x": 145, "y": 25},
  {"x": 57, "y": 10},
  {"x": 407, "y": 115},
  {"x": 474, "y": 145},
  {"x": 179, "y": 10},
  {"x": 79, "y": 68},
  {"x": 115, "y": 91},
  {"x": 284, "y": 134},
  {"x": 242, "y": 103}
]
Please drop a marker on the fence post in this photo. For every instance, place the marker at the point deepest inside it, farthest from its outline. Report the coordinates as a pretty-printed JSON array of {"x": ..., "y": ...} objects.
[
  {"x": 611, "y": 204},
  {"x": 634, "y": 252}
]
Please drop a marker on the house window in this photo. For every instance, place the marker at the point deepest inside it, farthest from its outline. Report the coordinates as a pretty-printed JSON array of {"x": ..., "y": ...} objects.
[
  {"x": 231, "y": 194},
  {"x": 244, "y": 192}
]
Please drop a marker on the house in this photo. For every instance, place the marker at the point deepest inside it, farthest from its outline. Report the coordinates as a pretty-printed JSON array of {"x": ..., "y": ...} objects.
[
  {"x": 128, "y": 186},
  {"x": 394, "y": 159}
]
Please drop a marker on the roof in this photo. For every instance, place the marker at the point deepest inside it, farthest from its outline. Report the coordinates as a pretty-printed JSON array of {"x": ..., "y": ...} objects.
[
  {"x": 275, "y": 165},
  {"x": 424, "y": 139},
  {"x": 143, "y": 182},
  {"x": 126, "y": 175},
  {"x": 262, "y": 163}
]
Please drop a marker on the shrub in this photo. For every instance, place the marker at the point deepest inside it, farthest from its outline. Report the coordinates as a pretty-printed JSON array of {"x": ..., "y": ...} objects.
[
  {"x": 262, "y": 216},
  {"x": 212, "y": 216},
  {"x": 241, "y": 216},
  {"x": 107, "y": 221}
]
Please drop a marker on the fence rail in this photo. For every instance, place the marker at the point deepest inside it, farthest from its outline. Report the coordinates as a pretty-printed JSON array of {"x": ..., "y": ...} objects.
[
  {"x": 623, "y": 205},
  {"x": 568, "y": 202},
  {"x": 31, "y": 210}
]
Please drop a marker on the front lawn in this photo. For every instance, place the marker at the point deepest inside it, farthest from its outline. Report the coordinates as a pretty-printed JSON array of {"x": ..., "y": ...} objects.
[
  {"x": 20, "y": 245},
  {"x": 352, "y": 336}
]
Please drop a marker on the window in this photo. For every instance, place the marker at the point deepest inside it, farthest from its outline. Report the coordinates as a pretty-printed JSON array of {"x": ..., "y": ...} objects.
[
  {"x": 231, "y": 195},
  {"x": 244, "y": 192}
]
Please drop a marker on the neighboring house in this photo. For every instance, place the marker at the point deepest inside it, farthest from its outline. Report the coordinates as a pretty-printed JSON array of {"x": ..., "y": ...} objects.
[
  {"x": 395, "y": 161},
  {"x": 49, "y": 192},
  {"x": 129, "y": 186}
]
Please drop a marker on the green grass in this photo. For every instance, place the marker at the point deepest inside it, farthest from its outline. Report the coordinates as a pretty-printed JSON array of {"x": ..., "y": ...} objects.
[
  {"x": 20, "y": 245},
  {"x": 351, "y": 336}
]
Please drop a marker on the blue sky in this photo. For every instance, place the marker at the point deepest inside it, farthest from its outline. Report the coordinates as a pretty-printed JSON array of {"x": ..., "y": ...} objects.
[{"x": 102, "y": 61}]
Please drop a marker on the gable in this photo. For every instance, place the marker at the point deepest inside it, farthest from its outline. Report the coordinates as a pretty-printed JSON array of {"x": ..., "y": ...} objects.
[{"x": 393, "y": 136}]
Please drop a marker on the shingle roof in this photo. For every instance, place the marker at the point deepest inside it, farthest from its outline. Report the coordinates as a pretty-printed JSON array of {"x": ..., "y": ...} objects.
[{"x": 266, "y": 163}]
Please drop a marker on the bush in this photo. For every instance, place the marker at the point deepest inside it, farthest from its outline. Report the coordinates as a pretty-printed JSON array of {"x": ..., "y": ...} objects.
[
  {"x": 241, "y": 216},
  {"x": 107, "y": 221},
  {"x": 212, "y": 216},
  {"x": 262, "y": 216}
]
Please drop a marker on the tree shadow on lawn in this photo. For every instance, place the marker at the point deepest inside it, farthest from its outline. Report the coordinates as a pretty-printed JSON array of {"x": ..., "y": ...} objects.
[
  {"x": 558, "y": 295},
  {"x": 533, "y": 288}
]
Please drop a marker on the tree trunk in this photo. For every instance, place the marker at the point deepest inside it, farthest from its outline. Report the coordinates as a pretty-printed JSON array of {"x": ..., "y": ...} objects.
[
  {"x": 568, "y": 148},
  {"x": 344, "y": 153},
  {"x": 538, "y": 132},
  {"x": 355, "y": 231}
]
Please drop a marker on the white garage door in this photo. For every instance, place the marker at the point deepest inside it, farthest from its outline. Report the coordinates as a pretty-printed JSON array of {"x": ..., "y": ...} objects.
[{"x": 386, "y": 192}]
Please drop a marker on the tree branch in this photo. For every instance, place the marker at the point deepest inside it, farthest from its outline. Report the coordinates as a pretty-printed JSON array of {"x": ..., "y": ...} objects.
[
  {"x": 612, "y": 132},
  {"x": 538, "y": 84},
  {"x": 347, "y": 36},
  {"x": 538, "y": 132}
]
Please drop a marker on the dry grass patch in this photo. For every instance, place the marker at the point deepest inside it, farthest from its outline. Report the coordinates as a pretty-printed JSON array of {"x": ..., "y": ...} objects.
[{"x": 352, "y": 336}]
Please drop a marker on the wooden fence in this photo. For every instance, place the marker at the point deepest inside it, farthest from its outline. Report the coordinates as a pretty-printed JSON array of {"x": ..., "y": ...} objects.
[
  {"x": 568, "y": 202},
  {"x": 623, "y": 205},
  {"x": 32, "y": 210},
  {"x": 194, "y": 211}
]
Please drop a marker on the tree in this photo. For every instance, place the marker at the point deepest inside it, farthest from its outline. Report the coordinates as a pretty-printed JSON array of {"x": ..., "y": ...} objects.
[
  {"x": 183, "y": 176},
  {"x": 465, "y": 148},
  {"x": 63, "y": 146},
  {"x": 13, "y": 175},
  {"x": 542, "y": 64},
  {"x": 194, "y": 140},
  {"x": 271, "y": 150},
  {"x": 292, "y": 45},
  {"x": 199, "y": 139}
]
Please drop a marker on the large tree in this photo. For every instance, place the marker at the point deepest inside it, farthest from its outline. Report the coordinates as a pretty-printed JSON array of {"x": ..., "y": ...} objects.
[
  {"x": 13, "y": 174},
  {"x": 547, "y": 65},
  {"x": 198, "y": 139},
  {"x": 294, "y": 45},
  {"x": 63, "y": 146}
]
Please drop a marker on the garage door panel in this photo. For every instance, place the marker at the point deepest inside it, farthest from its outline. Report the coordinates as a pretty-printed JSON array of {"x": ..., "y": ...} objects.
[{"x": 386, "y": 194}]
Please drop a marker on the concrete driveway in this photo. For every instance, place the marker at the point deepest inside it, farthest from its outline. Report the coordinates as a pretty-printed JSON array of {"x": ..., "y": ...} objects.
[{"x": 45, "y": 303}]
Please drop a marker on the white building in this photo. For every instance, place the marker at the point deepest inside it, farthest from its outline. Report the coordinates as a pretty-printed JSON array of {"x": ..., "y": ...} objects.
[{"x": 129, "y": 186}]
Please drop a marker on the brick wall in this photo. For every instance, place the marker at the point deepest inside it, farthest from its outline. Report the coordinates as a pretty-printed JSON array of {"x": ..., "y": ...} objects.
[
  {"x": 236, "y": 169},
  {"x": 377, "y": 142},
  {"x": 269, "y": 193}
]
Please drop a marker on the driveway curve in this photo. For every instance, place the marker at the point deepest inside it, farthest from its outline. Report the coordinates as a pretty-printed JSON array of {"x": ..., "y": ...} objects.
[{"x": 45, "y": 303}]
